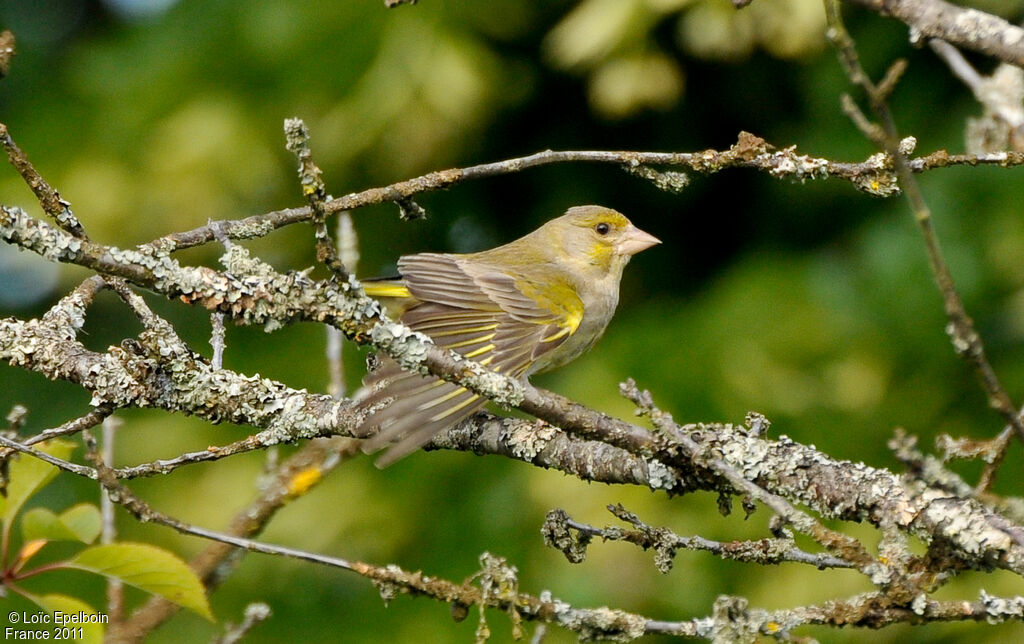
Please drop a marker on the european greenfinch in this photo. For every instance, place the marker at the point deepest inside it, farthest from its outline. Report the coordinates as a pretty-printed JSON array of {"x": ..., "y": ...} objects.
[{"x": 526, "y": 307}]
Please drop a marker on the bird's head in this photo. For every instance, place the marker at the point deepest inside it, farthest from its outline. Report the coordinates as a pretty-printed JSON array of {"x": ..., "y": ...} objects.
[{"x": 599, "y": 237}]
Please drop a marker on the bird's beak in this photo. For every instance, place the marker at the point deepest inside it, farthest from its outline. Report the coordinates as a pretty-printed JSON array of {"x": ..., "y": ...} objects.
[{"x": 635, "y": 240}]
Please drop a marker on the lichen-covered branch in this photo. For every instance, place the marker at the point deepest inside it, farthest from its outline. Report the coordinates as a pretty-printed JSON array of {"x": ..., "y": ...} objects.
[
  {"x": 140, "y": 377},
  {"x": 498, "y": 588},
  {"x": 874, "y": 176},
  {"x": 158, "y": 370},
  {"x": 963, "y": 26},
  {"x": 572, "y": 537}
]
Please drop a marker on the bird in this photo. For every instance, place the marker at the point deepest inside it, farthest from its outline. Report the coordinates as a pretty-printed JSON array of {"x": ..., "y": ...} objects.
[{"x": 527, "y": 307}]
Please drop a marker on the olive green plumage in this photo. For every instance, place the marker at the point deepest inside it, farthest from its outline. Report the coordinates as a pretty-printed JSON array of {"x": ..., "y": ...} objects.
[{"x": 526, "y": 307}]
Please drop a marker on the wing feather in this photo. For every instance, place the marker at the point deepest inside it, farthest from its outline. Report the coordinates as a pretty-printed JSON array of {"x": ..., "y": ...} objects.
[{"x": 469, "y": 307}]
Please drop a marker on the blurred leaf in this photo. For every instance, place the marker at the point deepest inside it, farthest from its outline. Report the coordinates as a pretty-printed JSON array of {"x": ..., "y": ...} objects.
[
  {"x": 79, "y": 523},
  {"x": 624, "y": 86},
  {"x": 593, "y": 30},
  {"x": 91, "y": 633},
  {"x": 84, "y": 520},
  {"x": 41, "y": 523},
  {"x": 148, "y": 568},
  {"x": 28, "y": 475},
  {"x": 715, "y": 30}
]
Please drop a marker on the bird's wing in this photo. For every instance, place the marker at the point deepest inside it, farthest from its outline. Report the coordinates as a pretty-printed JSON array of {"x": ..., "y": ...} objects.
[{"x": 476, "y": 310}]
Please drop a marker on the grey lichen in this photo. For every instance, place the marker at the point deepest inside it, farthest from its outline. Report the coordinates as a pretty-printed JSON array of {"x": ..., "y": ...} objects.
[
  {"x": 600, "y": 624},
  {"x": 661, "y": 476},
  {"x": 669, "y": 181},
  {"x": 17, "y": 227},
  {"x": 734, "y": 623},
  {"x": 407, "y": 347},
  {"x": 528, "y": 441},
  {"x": 503, "y": 390},
  {"x": 787, "y": 163},
  {"x": 1000, "y": 609},
  {"x": 880, "y": 180},
  {"x": 559, "y": 535},
  {"x": 238, "y": 261}
]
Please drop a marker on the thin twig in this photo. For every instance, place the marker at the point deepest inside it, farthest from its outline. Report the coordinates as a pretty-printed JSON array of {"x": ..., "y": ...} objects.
[
  {"x": 966, "y": 341},
  {"x": 312, "y": 180},
  {"x": 88, "y": 421},
  {"x": 749, "y": 152},
  {"x": 292, "y": 479},
  {"x": 255, "y": 613},
  {"x": 999, "y": 93},
  {"x": 391, "y": 579},
  {"x": 348, "y": 253},
  {"x": 666, "y": 543},
  {"x": 108, "y": 533},
  {"x": 217, "y": 340},
  {"x": 842, "y": 546},
  {"x": 49, "y": 198}
]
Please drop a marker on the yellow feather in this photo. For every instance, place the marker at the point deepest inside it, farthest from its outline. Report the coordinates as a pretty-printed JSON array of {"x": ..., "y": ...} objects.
[
  {"x": 441, "y": 399},
  {"x": 458, "y": 331},
  {"x": 480, "y": 351},
  {"x": 572, "y": 321},
  {"x": 454, "y": 409},
  {"x": 386, "y": 290},
  {"x": 558, "y": 297},
  {"x": 471, "y": 341}
]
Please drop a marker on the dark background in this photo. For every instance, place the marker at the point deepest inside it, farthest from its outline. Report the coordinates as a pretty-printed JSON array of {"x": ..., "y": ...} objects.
[{"x": 811, "y": 303}]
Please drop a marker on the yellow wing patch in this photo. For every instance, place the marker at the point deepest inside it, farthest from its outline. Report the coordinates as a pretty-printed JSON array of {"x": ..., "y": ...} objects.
[
  {"x": 385, "y": 289},
  {"x": 573, "y": 320},
  {"x": 561, "y": 299}
]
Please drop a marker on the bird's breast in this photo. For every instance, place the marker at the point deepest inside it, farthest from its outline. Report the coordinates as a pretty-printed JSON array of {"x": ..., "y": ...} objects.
[{"x": 598, "y": 309}]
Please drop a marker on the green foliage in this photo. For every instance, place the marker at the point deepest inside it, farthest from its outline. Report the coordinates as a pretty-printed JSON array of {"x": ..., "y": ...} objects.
[
  {"x": 27, "y": 475},
  {"x": 78, "y": 523},
  {"x": 92, "y": 633},
  {"x": 148, "y": 568}
]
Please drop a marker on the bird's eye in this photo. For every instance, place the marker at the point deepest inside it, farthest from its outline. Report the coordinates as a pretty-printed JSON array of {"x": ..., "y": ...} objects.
[{"x": 602, "y": 228}]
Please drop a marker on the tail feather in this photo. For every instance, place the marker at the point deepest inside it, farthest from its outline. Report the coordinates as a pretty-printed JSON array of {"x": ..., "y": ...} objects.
[{"x": 415, "y": 408}]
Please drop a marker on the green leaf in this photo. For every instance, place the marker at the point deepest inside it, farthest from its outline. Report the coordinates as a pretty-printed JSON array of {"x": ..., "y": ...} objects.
[
  {"x": 40, "y": 523},
  {"x": 148, "y": 568},
  {"x": 28, "y": 475},
  {"x": 79, "y": 523},
  {"x": 84, "y": 521},
  {"x": 70, "y": 606}
]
